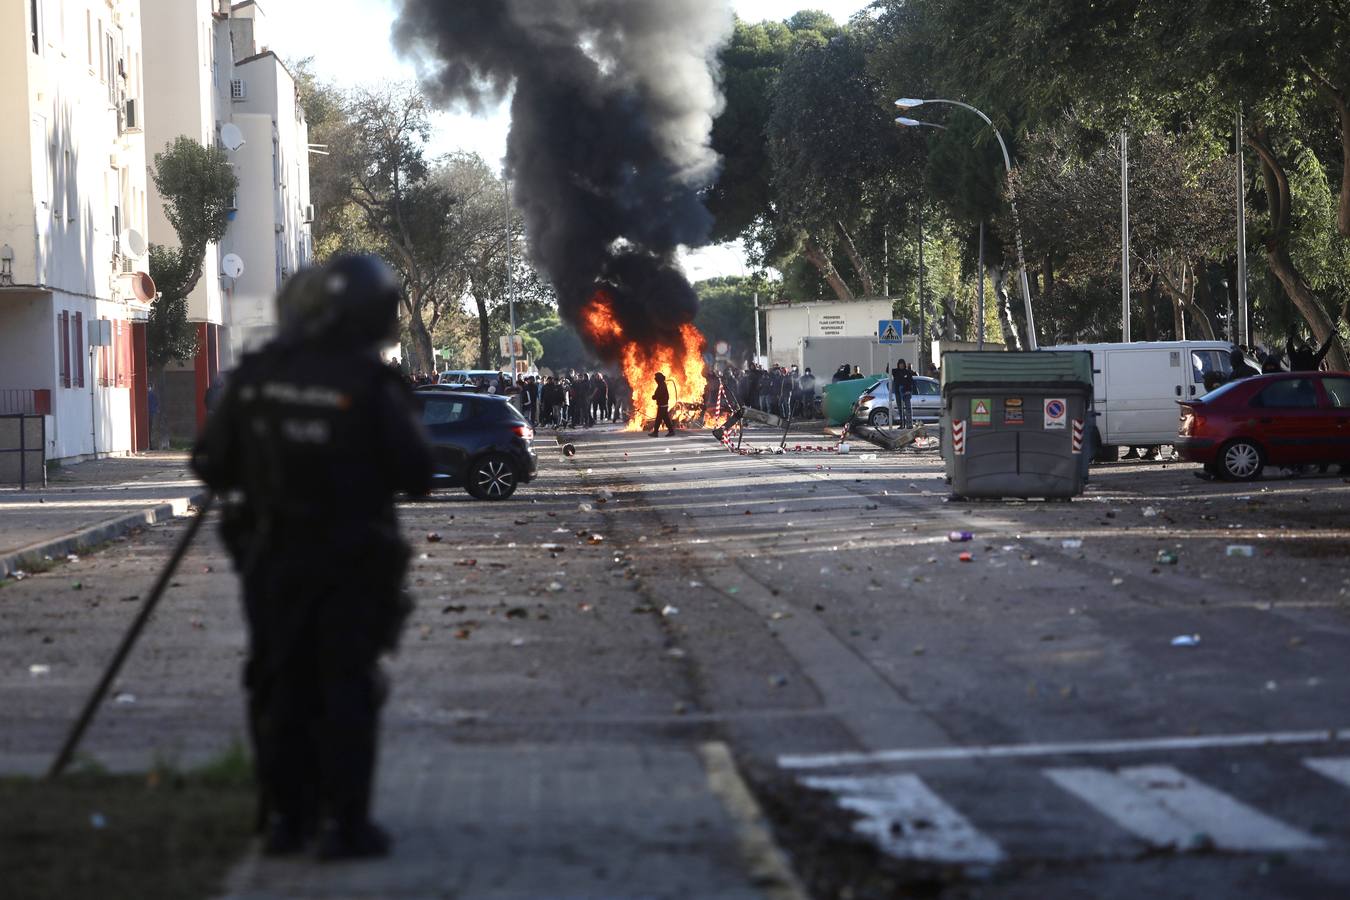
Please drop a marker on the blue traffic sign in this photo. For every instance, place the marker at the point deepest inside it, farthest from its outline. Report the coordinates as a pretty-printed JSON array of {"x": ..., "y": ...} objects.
[{"x": 890, "y": 331}]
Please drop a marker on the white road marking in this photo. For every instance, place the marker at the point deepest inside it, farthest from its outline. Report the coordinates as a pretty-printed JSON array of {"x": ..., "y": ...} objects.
[
  {"x": 1167, "y": 808},
  {"x": 909, "y": 821},
  {"x": 1335, "y": 769},
  {"x": 1139, "y": 745}
]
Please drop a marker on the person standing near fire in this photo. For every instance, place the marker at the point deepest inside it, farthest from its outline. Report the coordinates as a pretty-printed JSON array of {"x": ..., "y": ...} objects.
[{"x": 662, "y": 398}]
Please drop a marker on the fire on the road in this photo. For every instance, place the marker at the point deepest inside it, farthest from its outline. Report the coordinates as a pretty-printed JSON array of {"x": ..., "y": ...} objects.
[{"x": 682, "y": 364}]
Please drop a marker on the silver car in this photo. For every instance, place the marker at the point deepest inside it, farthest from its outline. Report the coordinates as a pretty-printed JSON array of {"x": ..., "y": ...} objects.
[{"x": 873, "y": 407}]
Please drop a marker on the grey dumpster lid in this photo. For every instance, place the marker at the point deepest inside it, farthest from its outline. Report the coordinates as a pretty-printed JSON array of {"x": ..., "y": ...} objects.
[{"x": 1040, "y": 367}]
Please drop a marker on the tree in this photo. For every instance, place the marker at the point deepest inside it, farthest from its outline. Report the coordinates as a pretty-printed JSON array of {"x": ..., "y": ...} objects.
[
  {"x": 1181, "y": 211},
  {"x": 726, "y": 312},
  {"x": 838, "y": 162},
  {"x": 406, "y": 215},
  {"x": 197, "y": 185}
]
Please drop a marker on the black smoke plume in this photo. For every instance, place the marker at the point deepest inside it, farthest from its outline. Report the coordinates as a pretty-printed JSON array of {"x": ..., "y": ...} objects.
[{"x": 612, "y": 105}]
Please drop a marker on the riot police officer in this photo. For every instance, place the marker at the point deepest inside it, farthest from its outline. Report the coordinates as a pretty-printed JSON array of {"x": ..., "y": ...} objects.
[{"x": 314, "y": 436}]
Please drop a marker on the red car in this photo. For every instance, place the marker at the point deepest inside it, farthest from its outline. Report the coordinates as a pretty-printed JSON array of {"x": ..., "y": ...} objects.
[{"x": 1287, "y": 419}]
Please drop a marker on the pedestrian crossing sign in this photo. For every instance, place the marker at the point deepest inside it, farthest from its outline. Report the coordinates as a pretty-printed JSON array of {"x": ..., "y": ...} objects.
[{"x": 890, "y": 331}]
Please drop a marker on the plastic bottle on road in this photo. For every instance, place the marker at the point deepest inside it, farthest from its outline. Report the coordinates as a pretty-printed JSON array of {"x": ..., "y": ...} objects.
[{"x": 960, "y": 537}]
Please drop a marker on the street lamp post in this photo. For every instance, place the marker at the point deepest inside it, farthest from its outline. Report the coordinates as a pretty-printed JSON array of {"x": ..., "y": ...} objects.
[{"x": 910, "y": 103}]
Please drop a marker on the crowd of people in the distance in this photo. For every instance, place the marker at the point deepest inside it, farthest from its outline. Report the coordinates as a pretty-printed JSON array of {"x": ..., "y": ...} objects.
[{"x": 786, "y": 392}]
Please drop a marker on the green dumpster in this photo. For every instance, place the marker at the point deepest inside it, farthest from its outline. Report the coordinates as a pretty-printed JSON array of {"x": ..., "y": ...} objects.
[
  {"x": 839, "y": 397},
  {"x": 1017, "y": 424}
]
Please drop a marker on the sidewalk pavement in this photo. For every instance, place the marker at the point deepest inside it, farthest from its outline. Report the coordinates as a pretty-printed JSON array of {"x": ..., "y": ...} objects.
[
  {"x": 612, "y": 821},
  {"x": 91, "y": 503}
]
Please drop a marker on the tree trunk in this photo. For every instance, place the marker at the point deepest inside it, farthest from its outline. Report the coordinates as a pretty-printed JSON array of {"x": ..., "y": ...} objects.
[
  {"x": 817, "y": 258},
  {"x": 1150, "y": 311},
  {"x": 484, "y": 333},
  {"x": 859, "y": 264},
  {"x": 424, "y": 355},
  {"x": 1277, "y": 249},
  {"x": 1012, "y": 329}
]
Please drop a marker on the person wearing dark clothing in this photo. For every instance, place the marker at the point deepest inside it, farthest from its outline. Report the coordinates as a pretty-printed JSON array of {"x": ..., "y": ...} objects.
[
  {"x": 310, "y": 442},
  {"x": 662, "y": 398},
  {"x": 1302, "y": 358},
  {"x": 807, "y": 384},
  {"x": 599, "y": 397},
  {"x": 843, "y": 373},
  {"x": 1241, "y": 365},
  {"x": 902, "y": 389}
]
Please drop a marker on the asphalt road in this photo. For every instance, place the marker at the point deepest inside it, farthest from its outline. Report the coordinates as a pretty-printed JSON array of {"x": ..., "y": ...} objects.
[{"x": 1017, "y": 725}]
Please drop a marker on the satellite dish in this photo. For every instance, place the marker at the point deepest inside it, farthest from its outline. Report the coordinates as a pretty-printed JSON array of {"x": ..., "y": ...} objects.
[
  {"x": 232, "y": 265},
  {"x": 134, "y": 241},
  {"x": 231, "y": 136},
  {"x": 143, "y": 286}
]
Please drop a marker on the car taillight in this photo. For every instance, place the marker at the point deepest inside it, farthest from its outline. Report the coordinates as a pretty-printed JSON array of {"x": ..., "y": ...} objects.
[
  {"x": 523, "y": 431},
  {"x": 866, "y": 398}
]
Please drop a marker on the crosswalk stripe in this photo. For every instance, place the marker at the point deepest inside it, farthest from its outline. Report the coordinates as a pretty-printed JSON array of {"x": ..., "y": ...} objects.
[
  {"x": 909, "y": 821},
  {"x": 1165, "y": 807},
  {"x": 1335, "y": 769}
]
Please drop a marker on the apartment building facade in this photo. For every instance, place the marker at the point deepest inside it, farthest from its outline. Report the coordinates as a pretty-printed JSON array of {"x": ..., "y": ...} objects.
[
  {"x": 74, "y": 293},
  {"x": 213, "y": 78}
]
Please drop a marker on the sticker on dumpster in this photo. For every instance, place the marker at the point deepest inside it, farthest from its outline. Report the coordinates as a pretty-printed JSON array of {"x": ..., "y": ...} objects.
[
  {"x": 1012, "y": 411},
  {"x": 1077, "y": 435},
  {"x": 1055, "y": 411},
  {"x": 959, "y": 437},
  {"x": 979, "y": 411}
]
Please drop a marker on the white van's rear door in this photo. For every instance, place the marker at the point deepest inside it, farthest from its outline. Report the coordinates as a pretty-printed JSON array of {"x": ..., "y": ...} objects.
[{"x": 1142, "y": 390}]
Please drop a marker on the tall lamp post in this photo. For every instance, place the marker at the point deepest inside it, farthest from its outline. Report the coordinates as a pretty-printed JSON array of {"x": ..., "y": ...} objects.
[{"x": 911, "y": 103}]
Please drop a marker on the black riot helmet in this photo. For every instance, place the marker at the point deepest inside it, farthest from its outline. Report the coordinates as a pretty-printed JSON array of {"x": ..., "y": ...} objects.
[{"x": 360, "y": 301}]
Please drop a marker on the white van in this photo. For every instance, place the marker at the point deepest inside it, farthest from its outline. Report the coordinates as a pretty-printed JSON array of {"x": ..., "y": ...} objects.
[{"x": 1137, "y": 386}]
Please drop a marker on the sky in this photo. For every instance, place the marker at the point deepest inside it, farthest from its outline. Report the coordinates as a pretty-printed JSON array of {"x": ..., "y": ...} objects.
[{"x": 350, "y": 45}]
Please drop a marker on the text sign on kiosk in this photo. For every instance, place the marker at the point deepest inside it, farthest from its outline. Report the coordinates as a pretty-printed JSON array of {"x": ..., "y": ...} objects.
[{"x": 890, "y": 331}]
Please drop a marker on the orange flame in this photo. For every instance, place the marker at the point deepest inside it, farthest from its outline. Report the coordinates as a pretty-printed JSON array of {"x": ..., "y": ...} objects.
[{"x": 682, "y": 365}]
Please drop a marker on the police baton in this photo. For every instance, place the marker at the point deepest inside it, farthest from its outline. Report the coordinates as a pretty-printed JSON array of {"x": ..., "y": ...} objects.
[{"x": 128, "y": 641}]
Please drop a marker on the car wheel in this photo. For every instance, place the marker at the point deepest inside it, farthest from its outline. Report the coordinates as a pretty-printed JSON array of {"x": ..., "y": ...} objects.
[
  {"x": 1241, "y": 460},
  {"x": 492, "y": 477},
  {"x": 879, "y": 417}
]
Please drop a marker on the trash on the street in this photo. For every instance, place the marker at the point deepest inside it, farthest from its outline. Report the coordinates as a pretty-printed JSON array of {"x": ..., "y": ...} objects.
[
  {"x": 39, "y": 669},
  {"x": 555, "y": 586},
  {"x": 1186, "y": 640},
  {"x": 1071, "y": 543},
  {"x": 1241, "y": 550},
  {"x": 72, "y": 557},
  {"x": 569, "y": 450},
  {"x": 517, "y": 612},
  {"x": 966, "y": 557},
  {"x": 466, "y": 562},
  {"x": 1149, "y": 512},
  {"x": 552, "y": 548},
  {"x": 433, "y": 537},
  {"x": 125, "y": 699},
  {"x": 669, "y": 610},
  {"x": 1167, "y": 558},
  {"x": 959, "y": 537},
  {"x": 1117, "y": 582},
  {"x": 585, "y": 507}
]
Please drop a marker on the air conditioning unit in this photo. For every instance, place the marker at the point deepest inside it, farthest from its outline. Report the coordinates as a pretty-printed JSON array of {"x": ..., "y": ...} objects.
[
  {"x": 238, "y": 89},
  {"x": 128, "y": 266},
  {"x": 309, "y": 213},
  {"x": 132, "y": 115}
]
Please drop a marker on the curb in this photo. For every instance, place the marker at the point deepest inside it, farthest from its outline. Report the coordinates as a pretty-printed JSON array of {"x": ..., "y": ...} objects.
[
  {"x": 97, "y": 534},
  {"x": 764, "y": 859}
]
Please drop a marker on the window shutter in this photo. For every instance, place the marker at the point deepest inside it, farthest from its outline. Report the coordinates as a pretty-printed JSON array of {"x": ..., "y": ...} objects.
[
  {"x": 123, "y": 353},
  {"x": 78, "y": 341},
  {"x": 63, "y": 326}
]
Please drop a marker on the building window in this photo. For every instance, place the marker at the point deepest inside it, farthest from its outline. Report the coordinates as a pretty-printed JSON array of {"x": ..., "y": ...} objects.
[
  {"x": 110, "y": 68},
  {"x": 72, "y": 196}
]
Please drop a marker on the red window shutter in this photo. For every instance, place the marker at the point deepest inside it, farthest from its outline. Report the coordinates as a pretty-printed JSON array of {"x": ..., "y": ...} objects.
[
  {"x": 63, "y": 325},
  {"x": 102, "y": 365},
  {"x": 123, "y": 353},
  {"x": 78, "y": 342}
]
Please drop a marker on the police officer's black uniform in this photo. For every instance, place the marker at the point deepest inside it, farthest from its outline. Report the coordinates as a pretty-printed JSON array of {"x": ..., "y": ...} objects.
[{"x": 317, "y": 435}]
